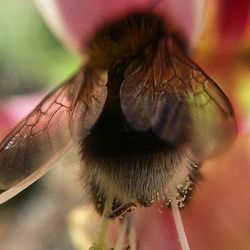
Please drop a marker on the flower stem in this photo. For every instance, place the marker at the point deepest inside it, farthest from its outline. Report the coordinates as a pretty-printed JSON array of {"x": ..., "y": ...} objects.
[{"x": 99, "y": 244}]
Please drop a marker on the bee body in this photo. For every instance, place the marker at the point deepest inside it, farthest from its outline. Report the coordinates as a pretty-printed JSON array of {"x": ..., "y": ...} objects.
[{"x": 144, "y": 114}]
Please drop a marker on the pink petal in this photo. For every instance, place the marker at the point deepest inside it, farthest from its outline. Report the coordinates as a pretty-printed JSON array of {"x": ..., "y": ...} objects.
[
  {"x": 76, "y": 21},
  {"x": 218, "y": 215},
  {"x": 233, "y": 20},
  {"x": 156, "y": 229}
]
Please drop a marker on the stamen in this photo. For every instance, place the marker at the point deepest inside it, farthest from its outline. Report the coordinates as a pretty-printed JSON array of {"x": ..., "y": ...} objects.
[
  {"x": 132, "y": 236},
  {"x": 178, "y": 223},
  {"x": 126, "y": 233},
  {"x": 122, "y": 234}
]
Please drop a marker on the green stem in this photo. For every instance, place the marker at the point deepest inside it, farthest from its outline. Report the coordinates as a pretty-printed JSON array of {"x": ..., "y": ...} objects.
[{"x": 99, "y": 244}]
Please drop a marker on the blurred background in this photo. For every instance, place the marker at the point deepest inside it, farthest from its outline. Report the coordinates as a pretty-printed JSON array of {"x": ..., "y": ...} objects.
[
  {"x": 31, "y": 58},
  {"x": 32, "y": 62}
]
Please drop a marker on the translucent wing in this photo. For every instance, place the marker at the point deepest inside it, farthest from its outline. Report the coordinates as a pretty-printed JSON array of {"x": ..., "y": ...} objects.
[
  {"x": 174, "y": 97},
  {"x": 47, "y": 132}
]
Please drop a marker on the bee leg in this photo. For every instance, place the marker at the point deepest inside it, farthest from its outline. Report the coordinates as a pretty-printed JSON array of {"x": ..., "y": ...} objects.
[{"x": 120, "y": 211}]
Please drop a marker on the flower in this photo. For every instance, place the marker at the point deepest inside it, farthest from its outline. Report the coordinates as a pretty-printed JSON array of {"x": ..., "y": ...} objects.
[
  {"x": 75, "y": 22},
  {"x": 233, "y": 22},
  {"x": 216, "y": 216}
]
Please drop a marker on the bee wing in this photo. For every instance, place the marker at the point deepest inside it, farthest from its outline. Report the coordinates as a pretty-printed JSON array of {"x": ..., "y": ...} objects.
[
  {"x": 47, "y": 132},
  {"x": 179, "y": 102}
]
